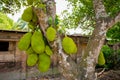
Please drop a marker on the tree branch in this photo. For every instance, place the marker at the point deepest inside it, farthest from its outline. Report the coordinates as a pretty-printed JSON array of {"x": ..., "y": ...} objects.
[
  {"x": 114, "y": 20},
  {"x": 99, "y": 9},
  {"x": 42, "y": 18}
]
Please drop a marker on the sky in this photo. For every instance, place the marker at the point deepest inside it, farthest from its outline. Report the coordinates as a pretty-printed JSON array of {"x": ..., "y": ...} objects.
[{"x": 60, "y": 6}]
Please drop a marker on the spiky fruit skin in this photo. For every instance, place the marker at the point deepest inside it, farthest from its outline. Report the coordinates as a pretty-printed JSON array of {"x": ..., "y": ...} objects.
[
  {"x": 30, "y": 50},
  {"x": 32, "y": 59},
  {"x": 51, "y": 34},
  {"x": 68, "y": 45},
  {"x": 44, "y": 62},
  {"x": 101, "y": 59},
  {"x": 37, "y": 42},
  {"x": 27, "y": 14},
  {"x": 35, "y": 18},
  {"x": 25, "y": 41},
  {"x": 48, "y": 50}
]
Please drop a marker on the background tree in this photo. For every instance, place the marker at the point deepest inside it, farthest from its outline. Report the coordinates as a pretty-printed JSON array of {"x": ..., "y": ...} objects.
[{"x": 5, "y": 22}]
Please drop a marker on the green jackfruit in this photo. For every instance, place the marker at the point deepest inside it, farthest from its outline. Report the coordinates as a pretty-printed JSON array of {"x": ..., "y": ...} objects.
[
  {"x": 37, "y": 42},
  {"x": 31, "y": 25},
  {"x": 30, "y": 2},
  {"x": 48, "y": 51},
  {"x": 51, "y": 34},
  {"x": 32, "y": 59},
  {"x": 35, "y": 18},
  {"x": 101, "y": 59},
  {"x": 30, "y": 51},
  {"x": 25, "y": 41},
  {"x": 44, "y": 62},
  {"x": 27, "y": 14},
  {"x": 69, "y": 46}
]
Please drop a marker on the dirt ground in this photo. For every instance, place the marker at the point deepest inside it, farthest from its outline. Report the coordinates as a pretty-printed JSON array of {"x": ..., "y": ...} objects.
[
  {"x": 12, "y": 71},
  {"x": 110, "y": 75}
]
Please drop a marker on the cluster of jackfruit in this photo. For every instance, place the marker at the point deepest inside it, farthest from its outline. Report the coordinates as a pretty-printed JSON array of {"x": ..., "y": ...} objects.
[
  {"x": 101, "y": 59},
  {"x": 34, "y": 43},
  {"x": 68, "y": 45},
  {"x": 37, "y": 50}
]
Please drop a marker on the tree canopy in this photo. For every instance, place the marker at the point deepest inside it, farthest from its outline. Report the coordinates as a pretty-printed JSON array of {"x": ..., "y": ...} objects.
[
  {"x": 83, "y": 15},
  {"x": 11, "y": 6}
]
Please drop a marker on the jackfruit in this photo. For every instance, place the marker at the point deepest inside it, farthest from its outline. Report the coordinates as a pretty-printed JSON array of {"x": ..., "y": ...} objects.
[
  {"x": 35, "y": 18},
  {"x": 27, "y": 14},
  {"x": 44, "y": 62},
  {"x": 25, "y": 41},
  {"x": 37, "y": 42},
  {"x": 30, "y": 2},
  {"x": 51, "y": 34},
  {"x": 69, "y": 46},
  {"x": 30, "y": 50},
  {"x": 32, "y": 59},
  {"x": 31, "y": 25},
  {"x": 48, "y": 50},
  {"x": 101, "y": 59}
]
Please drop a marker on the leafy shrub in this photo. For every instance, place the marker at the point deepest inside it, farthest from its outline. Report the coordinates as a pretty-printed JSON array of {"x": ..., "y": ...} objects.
[{"x": 112, "y": 57}]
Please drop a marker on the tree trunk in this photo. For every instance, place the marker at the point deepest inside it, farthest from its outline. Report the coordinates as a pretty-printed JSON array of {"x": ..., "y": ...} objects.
[{"x": 90, "y": 57}]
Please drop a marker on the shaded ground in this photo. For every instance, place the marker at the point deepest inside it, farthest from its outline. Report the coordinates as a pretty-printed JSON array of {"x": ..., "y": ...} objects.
[{"x": 12, "y": 71}]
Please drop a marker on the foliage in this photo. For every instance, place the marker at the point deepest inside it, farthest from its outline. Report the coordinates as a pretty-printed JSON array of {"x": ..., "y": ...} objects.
[
  {"x": 5, "y": 22},
  {"x": 113, "y": 34},
  {"x": 11, "y": 6},
  {"x": 112, "y": 6},
  {"x": 112, "y": 57},
  {"x": 82, "y": 14}
]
